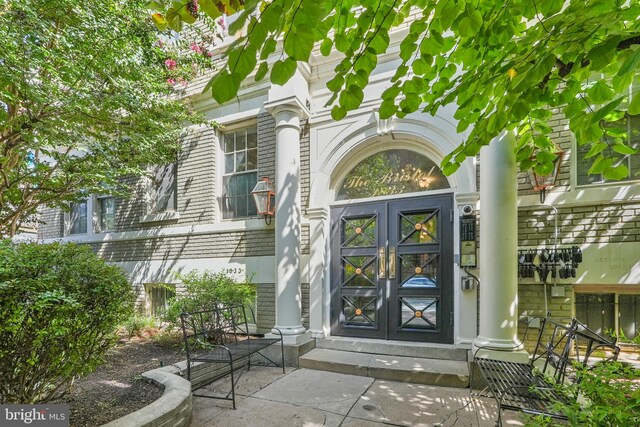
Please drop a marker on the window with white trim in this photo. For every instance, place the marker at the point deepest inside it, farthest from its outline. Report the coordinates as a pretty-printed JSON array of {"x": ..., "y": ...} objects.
[
  {"x": 240, "y": 175},
  {"x": 627, "y": 130},
  {"x": 106, "y": 213},
  {"x": 163, "y": 189},
  {"x": 78, "y": 218}
]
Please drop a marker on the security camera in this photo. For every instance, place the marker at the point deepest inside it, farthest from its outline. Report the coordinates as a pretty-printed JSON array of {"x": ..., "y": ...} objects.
[{"x": 467, "y": 209}]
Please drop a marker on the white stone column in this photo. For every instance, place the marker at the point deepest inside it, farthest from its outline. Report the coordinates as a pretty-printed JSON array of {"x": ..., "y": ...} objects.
[
  {"x": 287, "y": 222},
  {"x": 498, "y": 247},
  {"x": 318, "y": 218}
]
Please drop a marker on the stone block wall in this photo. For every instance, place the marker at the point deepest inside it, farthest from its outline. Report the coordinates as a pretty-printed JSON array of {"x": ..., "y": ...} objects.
[
  {"x": 602, "y": 223},
  {"x": 266, "y": 315},
  {"x": 189, "y": 246},
  {"x": 531, "y": 303},
  {"x": 266, "y": 146}
]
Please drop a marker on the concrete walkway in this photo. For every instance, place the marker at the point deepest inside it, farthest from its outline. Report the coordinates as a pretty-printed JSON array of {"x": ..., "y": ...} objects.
[{"x": 304, "y": 397}]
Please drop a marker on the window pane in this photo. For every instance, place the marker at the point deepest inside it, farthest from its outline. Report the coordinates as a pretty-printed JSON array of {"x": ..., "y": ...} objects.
[
  {"x": 107, "y": 213},
  {"x": 165, "y": 191},
  {"x": 241, "y": 165},
  {"x": 597, "y": 311},
  {"x": 628, "y": 130},
  {"x": 252, "y": 159},
  {"x": 583, "y": 166},
  {"x": 241, "y": 140},
  {"x": 228, "y": 143},
  {"x": 228, "y": 163},
  {"x": 252, "y": 138},
  {"x": 242, "y": 156},
  {"x": 629, "y": 312},
  {"x": 78, "y": 218}
]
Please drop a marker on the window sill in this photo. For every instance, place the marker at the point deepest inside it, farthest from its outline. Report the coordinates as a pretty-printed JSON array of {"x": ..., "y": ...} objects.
[{"x": 160, "y": 217}]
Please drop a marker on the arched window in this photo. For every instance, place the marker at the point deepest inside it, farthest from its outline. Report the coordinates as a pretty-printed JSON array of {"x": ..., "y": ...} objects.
[{"x": 392, "y": 172}]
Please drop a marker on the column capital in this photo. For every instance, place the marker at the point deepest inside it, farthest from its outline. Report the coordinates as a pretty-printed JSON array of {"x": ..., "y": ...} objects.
[
  {"x": 467, "y": 198},
  {"x": 318, "y": 213},
  {"x": 291, "y": 104}
]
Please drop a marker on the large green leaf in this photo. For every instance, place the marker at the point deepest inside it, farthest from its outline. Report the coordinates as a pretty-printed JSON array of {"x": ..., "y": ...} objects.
[
  {"x": 634, "y": 105},
  {"x": 209, "y": 7},
  {"x": 263, "y": 68},
  {"x": 299, "y": 43},
  {"x": 600, "y": 92},
  {"x": 631, "y": 63},
  {"x": 242, "y": 60},
  {"x": 282, "y": 71},
  {"x": 351, "y": 98},
  {"x": 616, "y": 172},
  {"x": 225, "y": 86}
]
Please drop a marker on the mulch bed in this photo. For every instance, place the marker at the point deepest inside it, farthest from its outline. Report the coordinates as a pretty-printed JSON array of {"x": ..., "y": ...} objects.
[{"x": 116, "y": 388}]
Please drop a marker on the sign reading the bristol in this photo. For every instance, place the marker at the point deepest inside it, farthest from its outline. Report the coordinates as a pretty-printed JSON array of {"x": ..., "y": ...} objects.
[
  {"x": 34, "y": 415},
  {"x": 392, "y": 172}
]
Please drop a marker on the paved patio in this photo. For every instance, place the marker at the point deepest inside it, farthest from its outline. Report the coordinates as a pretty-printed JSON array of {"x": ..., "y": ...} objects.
[{"x": 265, "y": 397}]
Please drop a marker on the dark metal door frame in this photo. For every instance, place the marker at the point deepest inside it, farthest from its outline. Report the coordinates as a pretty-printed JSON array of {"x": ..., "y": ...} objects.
[
  {"x": 373, "y": 291},
  {"x": 356, "y": 235}
]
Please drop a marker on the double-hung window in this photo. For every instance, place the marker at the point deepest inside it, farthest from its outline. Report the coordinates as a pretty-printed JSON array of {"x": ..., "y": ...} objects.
[
  {"x": 106, "y": 213},
  {"x": 627, "y": 129},
  {"x": 78, "y": 218},
  {"x": 240, "y": 172}
]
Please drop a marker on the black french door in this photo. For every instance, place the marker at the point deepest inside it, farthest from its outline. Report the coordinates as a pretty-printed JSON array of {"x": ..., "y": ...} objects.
[{"x": 392, "y": 269}]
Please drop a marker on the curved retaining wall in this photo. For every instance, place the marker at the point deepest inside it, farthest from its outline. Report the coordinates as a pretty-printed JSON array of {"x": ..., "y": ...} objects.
[{"x": 172, "y": 409}]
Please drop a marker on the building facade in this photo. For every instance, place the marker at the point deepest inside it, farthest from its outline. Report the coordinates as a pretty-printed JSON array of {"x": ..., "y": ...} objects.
[{"x": 369, "y": 238}]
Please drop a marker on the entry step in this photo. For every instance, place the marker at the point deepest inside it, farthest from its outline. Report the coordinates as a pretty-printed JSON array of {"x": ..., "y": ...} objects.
[
  {"x": 393, "y": 348},
  {"x": 447, "y": 373}
]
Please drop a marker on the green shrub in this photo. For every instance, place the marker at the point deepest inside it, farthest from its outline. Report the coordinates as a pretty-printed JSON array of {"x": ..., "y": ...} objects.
[
  {"x": 609, "y": 396},
  {"x": 60, "y": 306},
  {"x": 138, "y": 324},
  {"x": 203, "y": 290}
]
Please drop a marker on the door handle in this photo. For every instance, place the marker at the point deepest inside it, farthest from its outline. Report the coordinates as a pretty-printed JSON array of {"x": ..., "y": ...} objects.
[
  {"x": 392, "y": 262},
  {"x": 382, "y": 260}
]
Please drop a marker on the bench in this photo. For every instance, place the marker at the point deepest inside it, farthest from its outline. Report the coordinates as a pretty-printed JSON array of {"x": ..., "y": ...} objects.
[
  {"x": 220, "y": 336},
  {"x": 531, "y": 387}
]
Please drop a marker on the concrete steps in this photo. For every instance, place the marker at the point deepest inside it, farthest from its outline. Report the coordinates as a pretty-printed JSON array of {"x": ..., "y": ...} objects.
[
  {"x": 393, "y": 348},
  {"x": 447, "y": 373}
]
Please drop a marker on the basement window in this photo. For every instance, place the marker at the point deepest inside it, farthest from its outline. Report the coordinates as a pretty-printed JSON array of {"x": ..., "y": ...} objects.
[{"x": 157, "y": 296}]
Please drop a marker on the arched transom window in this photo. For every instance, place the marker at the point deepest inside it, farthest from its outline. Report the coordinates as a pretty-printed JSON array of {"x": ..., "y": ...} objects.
[{"x": 392, "y": 172}]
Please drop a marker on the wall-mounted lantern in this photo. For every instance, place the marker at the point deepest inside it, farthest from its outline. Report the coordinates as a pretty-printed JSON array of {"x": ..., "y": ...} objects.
[
  {"x": 264, "y": 195},
  {"x": 543, "y": 182}
]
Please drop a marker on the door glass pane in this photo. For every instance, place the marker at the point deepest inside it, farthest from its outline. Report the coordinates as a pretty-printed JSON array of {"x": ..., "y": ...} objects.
[
  {"x": 418, "y": 313},
  {"x": 419, "y": 228},
  {"x": 419, "y": 270},
  {"x": 359, "y": 232},
  {"x": 359, "y": 311},
  {"x": 359, "y": 271}
]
